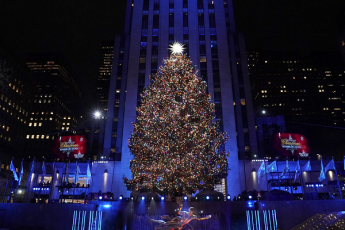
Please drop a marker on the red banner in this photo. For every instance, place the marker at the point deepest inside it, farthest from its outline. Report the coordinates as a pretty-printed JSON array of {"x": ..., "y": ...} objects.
[
  {"x": 70, "y": 147},
  {"x": 290, "y": 144}
]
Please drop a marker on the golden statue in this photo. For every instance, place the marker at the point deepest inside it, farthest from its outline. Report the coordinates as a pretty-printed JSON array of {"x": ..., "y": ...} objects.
[{"x": 178, "y": 222}]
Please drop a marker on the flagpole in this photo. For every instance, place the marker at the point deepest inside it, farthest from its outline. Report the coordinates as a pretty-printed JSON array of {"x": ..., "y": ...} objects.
[
  {"x": 8, "y": 176},
  {"x": 301, "y": 178},
  {"x": 278, "y": 176},
  {"x": 287, "y": 159},
  {"x": 312, "y": 179},
  {"x": 336, "y": 172},
  {"x": 28, "y": 181},
  {"x": 266, "y": 178},
  {"x": 329, "y": 193},
  {"x": 87, "y": 189},
  {"x": 75, "y": 180},
  {"x": 41, "y": 184},
  {"x": 52, "y": 182},
  {"x": 16, "y": 189}
]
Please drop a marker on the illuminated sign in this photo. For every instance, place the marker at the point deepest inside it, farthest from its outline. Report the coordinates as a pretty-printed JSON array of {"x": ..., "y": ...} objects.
[
  {"x": 70, "y": 147},
  {"x": 290, "y": 144}
]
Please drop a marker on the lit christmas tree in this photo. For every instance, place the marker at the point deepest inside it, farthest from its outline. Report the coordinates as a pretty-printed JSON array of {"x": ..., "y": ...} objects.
[{"x": 176, "y": 144}]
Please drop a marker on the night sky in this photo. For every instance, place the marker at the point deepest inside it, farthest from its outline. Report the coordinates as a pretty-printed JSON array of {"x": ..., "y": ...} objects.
[{"x": 77, "y": 28}]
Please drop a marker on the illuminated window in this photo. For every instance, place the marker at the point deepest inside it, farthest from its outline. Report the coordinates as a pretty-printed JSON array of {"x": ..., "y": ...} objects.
[
  {"x": 69, "y": 117},
  {"x": 35, "y": 124},
  {"x": 42, "y": 136},
  {"x": 63, "y": 128},
  {"x": 47, "y": 137},
  {"x": 37, "y": 136},
  {"x": 51, "y": 112},
  {"x": 50, "y": 118},
  {"x": 30, "y": 124},
  {"x": 39, "y": 124},
  {"x": 202, "y": 58},
  {"x": 243, "y": 101},
  {"x": 27, "y": 136}
]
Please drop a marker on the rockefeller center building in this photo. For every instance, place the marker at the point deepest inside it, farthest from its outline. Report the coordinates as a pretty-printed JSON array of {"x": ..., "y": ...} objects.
[{"x": 207, "y": 30}]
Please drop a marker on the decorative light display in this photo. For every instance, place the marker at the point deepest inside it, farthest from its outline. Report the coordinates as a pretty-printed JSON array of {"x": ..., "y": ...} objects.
[
  {"x": 176, "y": 144},
  {"x": 176, "y": 48}
]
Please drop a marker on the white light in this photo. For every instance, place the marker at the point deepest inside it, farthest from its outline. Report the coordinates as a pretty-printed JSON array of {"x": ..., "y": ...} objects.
[
  {"x": 143, "y": 198},
  {"x": 97, "y": 114},
  {"x": 207, "y": 197},
  {"x": 185, "y": 198},
  {"x": 263, "y": 112},
  {"x": 229, "y": 197},
  {"x": 162, "y": 198},
  {"x": 176, "y": 48},
  {"x": 100, "y": 197},
  {"x": 250, "y": 197}
]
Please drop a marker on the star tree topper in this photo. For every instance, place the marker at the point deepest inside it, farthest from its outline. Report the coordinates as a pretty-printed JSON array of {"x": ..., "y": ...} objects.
[{"x": 176, "y": 48}]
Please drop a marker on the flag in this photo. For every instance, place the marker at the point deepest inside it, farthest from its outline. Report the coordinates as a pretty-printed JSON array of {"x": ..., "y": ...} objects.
[
  {"x": 77, "y": 172},
  {"x": 13, "y": 169},
  {"x": 306, "y": 167},
  {"x": 88, "y": 174},
  {"x": 32, "y": 167},
  {"x": 272, "y": 167},
  {"x": 298, "y": 170},
  {"x": 330, "y": 166},
  {"x": 322, "y": 173},
  {"x": 286, "y": 168},
  {"x": 21, "y": 173},
  {"x": 43, "y": 172},
  {"x": 260, "y": 172}
]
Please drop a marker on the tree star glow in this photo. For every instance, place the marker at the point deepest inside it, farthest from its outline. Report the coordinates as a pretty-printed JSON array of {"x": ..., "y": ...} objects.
[{"x": 176, "y": 48}]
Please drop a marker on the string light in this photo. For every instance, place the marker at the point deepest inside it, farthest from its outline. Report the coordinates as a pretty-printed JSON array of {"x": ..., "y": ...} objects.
[{"x": 176, "y": 143}]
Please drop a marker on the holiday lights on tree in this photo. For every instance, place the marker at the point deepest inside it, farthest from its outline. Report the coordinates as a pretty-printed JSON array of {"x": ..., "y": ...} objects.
[{"x": 176, "y": 144}]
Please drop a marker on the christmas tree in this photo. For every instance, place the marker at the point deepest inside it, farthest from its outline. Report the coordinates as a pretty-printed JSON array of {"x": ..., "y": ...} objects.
[{"x": 176, "y": 144}]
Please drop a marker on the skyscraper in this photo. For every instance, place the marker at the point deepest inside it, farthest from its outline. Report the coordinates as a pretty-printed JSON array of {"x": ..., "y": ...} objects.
[
  {"x": 16, "y": 90},
  {"x": 207, "y": 30},
  {"x": 103, "y": 78},
  {"x": 54, "y": 103}
]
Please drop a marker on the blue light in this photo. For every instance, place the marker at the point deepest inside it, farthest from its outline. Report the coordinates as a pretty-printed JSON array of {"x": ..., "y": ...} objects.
[
  {"x": 100, "y": 197},
  {"x": 207, "y": 197},
  {"x": 142, "y": 198},
  {"x": 162, "y": 198},
  {"x": 250, "y": 197},
  {"x": 185, "y": 198},
  {"x": 228, "y": 197},
  {"x": 107, "y": 205}
]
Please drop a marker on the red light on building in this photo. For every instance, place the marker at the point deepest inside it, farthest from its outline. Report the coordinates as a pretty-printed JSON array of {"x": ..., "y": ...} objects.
[
  {"x": 290, "y": 144},
  {"x": 70, "y": 147}
]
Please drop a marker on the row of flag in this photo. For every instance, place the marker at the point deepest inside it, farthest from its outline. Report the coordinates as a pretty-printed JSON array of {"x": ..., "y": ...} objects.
[
  {"x": 263, "y": 170},
  {"x": 44, "y": 172}
]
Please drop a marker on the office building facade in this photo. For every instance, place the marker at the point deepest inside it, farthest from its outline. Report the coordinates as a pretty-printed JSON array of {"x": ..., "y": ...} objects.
[
  {"x": 16, "y": 91},
  {"x": 207, "y": 30},
  {"x": 56, "y": 94}
]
